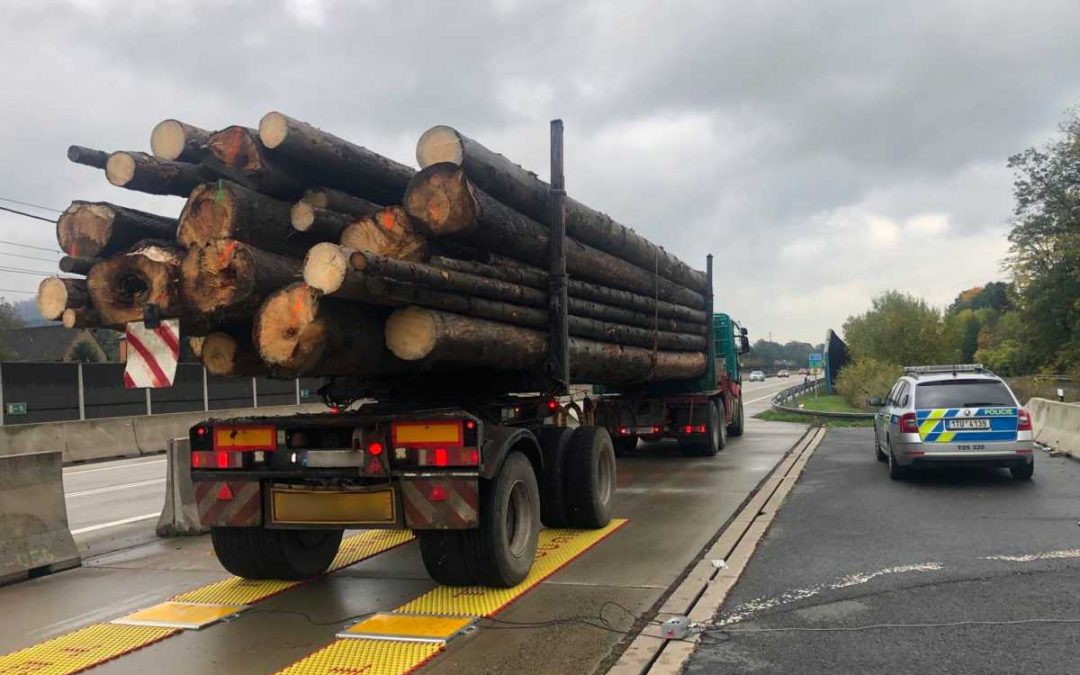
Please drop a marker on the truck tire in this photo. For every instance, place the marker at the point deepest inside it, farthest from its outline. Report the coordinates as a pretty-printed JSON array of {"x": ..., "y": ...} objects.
[
  {"x": 258, "y": 553},
  {"x": 444, "y": 556},
  {"x": 738, "y": 422},
  {"x": 624, "y": 445},
  {"x": 501, "y": 551},
  {"x": 590, "y": 477},
  {"x": 553, "y": 442},
  {"x": 715, "y": 435}
]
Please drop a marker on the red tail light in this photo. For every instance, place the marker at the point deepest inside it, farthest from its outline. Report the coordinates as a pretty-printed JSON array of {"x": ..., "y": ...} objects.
[
  {"x": 1023, "y": 420},
  {"x": 656, "y": 429},
  {"x": 624, "y": 431},
  {"x": 908, "y": 423},
  {"x": 216, "y": 459},
  {"x": 447, "y": 457},
  {"x": 374, "y": 448}
]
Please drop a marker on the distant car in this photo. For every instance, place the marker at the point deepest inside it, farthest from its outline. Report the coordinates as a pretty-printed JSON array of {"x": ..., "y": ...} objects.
[
  {"x": 804, "y": 371},
  {"x": 757, "y": 376},
  {"x": 960, "y": 415},
  {"x": 783, "y": 373}
]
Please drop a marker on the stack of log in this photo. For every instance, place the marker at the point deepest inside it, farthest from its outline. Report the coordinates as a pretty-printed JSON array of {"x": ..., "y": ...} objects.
[{"x": 300, "y": 253}]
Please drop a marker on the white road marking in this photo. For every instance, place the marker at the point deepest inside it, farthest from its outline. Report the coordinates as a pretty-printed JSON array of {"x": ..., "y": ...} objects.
[
  {"x": 747, "y": 609},
  {"x": 761, "y": 398},
  {"x": 114, "y": 488},
  {"x": 116, "y": 523},
  {"x": 1032, "y": 557},
  {"x": 68, "y": 472}
]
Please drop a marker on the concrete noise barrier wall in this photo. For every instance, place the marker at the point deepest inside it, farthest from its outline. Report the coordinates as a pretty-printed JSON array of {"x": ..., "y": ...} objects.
[
  {"x": 1056, "y": 424},
  {"x": 180, "y": 515},
  {"x": 34, "y": 534}
]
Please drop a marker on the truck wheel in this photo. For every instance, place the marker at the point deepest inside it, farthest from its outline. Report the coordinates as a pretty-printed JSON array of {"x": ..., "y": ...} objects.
[
  {"x": 258, "y": 553},
  {"x": 444, "y": 556},
  {"x": 624, "y": 444},
  {"x": 590, "y": 477},
  {"x": 501, "y": 551},
  {"x": 715, "y": 436},
  {"x": 553, "y": 442},
  {"x": 737, "y": 424}
]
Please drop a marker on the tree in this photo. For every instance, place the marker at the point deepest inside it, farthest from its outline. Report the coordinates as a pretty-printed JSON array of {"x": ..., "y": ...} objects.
[
  {"x": 1044, "y": 252},
  {"x": 84, "y": 352},
  {"x": 9, "y": 319},
  {"x": 900, "y": 329}
]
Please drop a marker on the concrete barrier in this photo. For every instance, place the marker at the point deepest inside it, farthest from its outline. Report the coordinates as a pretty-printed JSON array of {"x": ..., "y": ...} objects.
[
  {"x": 180, "y": 514},
  {"x": 113, "y": 437},
  {"x": 34, "y": 534},
  {"x": 1056, "y": 425}
]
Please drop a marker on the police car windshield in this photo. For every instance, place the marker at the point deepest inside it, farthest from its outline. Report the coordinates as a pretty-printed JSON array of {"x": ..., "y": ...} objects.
[{"x": 962, "y": 394}]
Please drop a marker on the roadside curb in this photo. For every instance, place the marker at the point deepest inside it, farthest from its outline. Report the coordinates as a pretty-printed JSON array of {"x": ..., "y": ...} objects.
[{"x": 701, "y": 592}]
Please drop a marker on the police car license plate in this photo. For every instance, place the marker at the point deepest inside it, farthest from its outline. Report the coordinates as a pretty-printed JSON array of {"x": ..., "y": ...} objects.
[{"x": 967, "y": 425}]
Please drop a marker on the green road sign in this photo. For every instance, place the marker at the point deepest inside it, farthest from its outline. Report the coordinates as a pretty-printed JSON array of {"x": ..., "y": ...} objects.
[
  {"x": 15, "y": 409},
  {"x": 815, "y": 360}
]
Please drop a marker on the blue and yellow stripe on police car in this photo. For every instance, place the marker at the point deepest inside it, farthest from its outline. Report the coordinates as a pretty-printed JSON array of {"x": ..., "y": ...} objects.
[{"x": 932, "y": 429}]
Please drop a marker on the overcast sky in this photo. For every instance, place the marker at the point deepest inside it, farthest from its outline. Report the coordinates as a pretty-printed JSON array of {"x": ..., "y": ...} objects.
[{"x": 824, "y": 150}]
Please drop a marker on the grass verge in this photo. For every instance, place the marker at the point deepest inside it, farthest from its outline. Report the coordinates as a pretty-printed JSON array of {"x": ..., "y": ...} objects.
[{"x": 779, "y": 416}]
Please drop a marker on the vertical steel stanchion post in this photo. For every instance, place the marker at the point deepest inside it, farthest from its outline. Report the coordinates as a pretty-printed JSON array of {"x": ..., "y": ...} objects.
[
  {"x": 254, "y": 393},
  {"x": 297, "y": 391},
  {"x": 205, "y": 392},
  {"x": 558, "y": 337},
  {"x": 149, "y": 407}
]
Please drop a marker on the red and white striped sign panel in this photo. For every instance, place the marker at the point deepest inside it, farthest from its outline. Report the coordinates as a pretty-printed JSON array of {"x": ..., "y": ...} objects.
[{"x": 152, "y": 354}]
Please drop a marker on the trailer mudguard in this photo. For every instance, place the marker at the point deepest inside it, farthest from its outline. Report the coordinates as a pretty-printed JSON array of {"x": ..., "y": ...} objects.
[{"x": 499, "y": 441}]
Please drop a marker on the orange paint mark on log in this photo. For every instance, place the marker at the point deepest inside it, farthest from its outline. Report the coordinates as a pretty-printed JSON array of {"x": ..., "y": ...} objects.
[{"x": 226, "y": 255}]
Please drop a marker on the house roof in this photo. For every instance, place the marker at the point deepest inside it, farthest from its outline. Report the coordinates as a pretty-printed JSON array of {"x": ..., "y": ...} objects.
[{"x": 40, "y": 343}]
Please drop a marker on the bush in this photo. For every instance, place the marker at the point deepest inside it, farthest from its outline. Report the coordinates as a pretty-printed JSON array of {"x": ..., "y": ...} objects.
[{"x": 866, "y": 378}]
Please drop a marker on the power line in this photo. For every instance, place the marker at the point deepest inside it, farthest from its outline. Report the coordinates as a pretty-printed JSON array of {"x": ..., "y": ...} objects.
[
  {"x": 36, "y": 206},
  {"x": 39, "y": 248},
  {"x": 12, "y": 290},
  {"x": 36, "y": 273},
  {"x": 28, "y": 257},
  {"x": 28, "y": 215}
]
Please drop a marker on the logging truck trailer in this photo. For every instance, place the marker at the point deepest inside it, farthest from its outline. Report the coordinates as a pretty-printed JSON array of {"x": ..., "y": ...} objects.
[
  {"x": 473, "y": 482},
  {"x": 699, "y": 414}
]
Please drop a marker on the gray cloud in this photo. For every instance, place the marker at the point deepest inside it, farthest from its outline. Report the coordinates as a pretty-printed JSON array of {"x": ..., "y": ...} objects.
[{"x": 823, "y": 150}]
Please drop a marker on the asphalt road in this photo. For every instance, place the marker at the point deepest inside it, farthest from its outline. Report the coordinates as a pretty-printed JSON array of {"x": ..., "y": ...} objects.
[
  {"x": 113, "y": 505},
  {"x": 675, "y": 506},
  {"x": 856, "y": 565}
]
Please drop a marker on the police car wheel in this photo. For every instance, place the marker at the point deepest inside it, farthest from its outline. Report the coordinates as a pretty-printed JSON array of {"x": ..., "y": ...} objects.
[
  {"x": 896, "y": 472},
  {"x": 1023, "y": 472}
]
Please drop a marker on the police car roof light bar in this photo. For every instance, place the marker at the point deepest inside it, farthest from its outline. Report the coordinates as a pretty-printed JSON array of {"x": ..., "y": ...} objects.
[{"x": 948, "y": 368}]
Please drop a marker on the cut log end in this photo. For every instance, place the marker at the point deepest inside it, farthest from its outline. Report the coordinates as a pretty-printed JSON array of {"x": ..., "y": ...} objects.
[
  {"x": 121, "y": 286},
  {"x": 411, "y": 333},
  {"x": 168, "y": 140},
  {"x": 220, "y": 354},
  {"x": 325, "y": 267},
  {"x": 302, "y": 215},
  {"x": 215, "y": 276},
  {"x": 207, "y": 215},
  {"x": 288, "y": 333},
  {"x": 82, "y": 318},
  {"x": 52, "y": 298},
  {"x": 120, "y": 168},
  {"x": 84, "y": 229},
  {"x": 439, "y": 144},
  {"x": 235, "y": 147},
  {"x": 389, "y": 232},
  {"x": 440, "y": 198},
  {"x": 273, "y": 128}
]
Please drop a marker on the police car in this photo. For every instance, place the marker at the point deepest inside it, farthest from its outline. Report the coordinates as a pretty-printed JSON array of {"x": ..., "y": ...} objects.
[{"x": 958, "y": 415}]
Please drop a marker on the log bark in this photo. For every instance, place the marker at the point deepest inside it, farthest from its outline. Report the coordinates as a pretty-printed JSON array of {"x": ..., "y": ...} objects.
[
  {"x": 99, "y": 229},
  {"x": 88, "y": 156},
  {"x": 231, "y": 354},
  {"x": 333, "y": 271},
  {"x": 335, "y": 162},
  {"x": 76, "y": 265},
  {"x": 85, "y": 317},
  {"x": 297, "y": 332},
  {"x": 146, "y": 173},
  {"x": 389, "y": 233},
  {"x": 433, "y": 337},
  {"x": 55, "y": 294},
  {"x": 535, "y": 278},
  {"x": 441, "y": 200},
  {"x": 318, "y": 221},
  {"x": 238, "y": 154},
  {"x": 227, "y": 210},
  {"x": 178, "y": 141},
  {"x": 523, "y": 191},
  {"x": 342, "y": 202},
  {"x": 228, "y": 280},
  {"x": 122, "y": 285}
]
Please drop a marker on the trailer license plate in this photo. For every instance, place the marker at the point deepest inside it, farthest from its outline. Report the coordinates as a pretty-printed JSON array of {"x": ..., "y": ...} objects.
[
  {"x": 967, "y": 425},
  {"x": 299, "y": 506}
]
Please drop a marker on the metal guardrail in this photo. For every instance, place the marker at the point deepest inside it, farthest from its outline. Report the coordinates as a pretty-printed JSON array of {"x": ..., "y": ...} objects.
[{"x": 780, "y": 400}]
